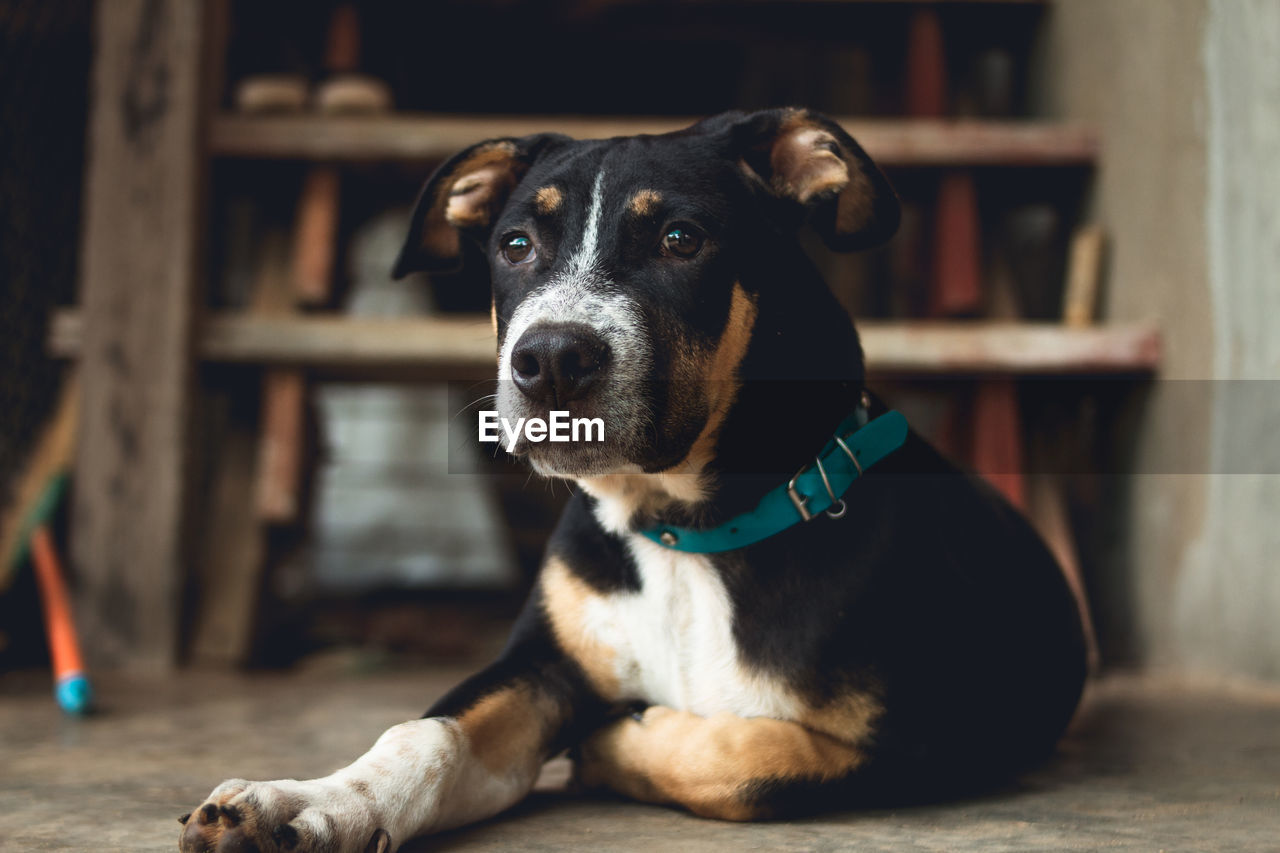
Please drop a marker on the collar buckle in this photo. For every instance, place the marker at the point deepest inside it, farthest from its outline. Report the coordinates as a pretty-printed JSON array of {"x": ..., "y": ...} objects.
[{"x": 801, "y": 501}]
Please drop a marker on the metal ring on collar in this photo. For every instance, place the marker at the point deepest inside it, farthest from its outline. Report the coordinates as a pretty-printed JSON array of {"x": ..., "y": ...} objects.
[
  {"x": 832, "y": 512},
  {"x": 849, "y": 453}
]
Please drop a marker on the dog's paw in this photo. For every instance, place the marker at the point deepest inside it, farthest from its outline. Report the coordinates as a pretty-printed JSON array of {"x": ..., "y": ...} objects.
[
  {"x": 273, "y": 817},
  {"x": 613, "y": 752}
]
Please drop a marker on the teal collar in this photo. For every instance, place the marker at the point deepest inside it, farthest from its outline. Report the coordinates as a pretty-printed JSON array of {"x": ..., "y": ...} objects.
[{"x": 820, "y": 485}]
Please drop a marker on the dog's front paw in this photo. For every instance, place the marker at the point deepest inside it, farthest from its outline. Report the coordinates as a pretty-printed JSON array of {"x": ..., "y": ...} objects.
[{"x": 299, "y": 817}]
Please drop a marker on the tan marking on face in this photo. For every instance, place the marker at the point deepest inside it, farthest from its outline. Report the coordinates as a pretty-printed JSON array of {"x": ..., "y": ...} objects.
[
  {"x": 548, "y": 199},
  {"x": 566, "y": 597},
  {"x": 716, "y": 374},
  {"x": 720, "y": 383},
  {"x": 507, "y": 729},
  {"x": 644, "y": 202},
  {"x": 493, "y": 315},
  {"x": 707, "y": 764},
  {"x": 721, "y": 380}
]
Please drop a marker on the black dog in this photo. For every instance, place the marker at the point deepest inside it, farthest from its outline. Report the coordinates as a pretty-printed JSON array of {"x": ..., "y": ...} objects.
[{"x": 918, "y": 642}]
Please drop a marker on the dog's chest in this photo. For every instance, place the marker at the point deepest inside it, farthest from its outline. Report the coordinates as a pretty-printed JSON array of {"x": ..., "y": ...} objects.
[{"x": 672, "y": 641}]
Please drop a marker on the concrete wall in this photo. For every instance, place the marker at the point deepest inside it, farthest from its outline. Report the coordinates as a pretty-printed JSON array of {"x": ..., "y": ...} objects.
[
  {"x": 1186, "y": 94},
  {"x": 1228, "y": 598}
]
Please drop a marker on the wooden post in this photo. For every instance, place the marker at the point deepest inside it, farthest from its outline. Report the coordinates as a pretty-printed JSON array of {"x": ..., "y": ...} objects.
[{"x": 139, "y": 271}]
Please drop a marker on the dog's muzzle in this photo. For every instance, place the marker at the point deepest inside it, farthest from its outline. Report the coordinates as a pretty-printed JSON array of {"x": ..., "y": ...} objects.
[
  {"x": 577, "y": 345},
  {"x": 555, "y": 363}
]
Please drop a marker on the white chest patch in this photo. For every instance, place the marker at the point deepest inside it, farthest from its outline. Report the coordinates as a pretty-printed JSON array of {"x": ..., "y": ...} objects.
[{"x": 673, "y": 640}]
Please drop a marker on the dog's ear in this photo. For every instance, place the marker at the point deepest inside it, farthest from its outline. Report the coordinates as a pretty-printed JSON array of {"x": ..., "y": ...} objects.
[
  {"x": 463, "y": 198},
  {"x": 806, "y": 158}
]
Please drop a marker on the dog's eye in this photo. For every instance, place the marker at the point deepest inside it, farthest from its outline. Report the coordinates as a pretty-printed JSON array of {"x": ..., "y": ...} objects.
[
  {"x": 518, "y": 249},
  {"x": 682, "y": 241}
]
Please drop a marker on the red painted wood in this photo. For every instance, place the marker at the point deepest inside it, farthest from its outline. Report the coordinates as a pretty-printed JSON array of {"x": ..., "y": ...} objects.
[{"x": 997, "y": 438}]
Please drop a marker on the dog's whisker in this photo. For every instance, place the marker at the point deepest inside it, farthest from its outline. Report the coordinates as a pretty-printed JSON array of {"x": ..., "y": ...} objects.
[{"x": 488, "y": 398}]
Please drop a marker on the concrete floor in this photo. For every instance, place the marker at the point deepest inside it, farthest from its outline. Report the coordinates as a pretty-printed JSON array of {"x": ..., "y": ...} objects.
[{"x": 1149, "y": 765}]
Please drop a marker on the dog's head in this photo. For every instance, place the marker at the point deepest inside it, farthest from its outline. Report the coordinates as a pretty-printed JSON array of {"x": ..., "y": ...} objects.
[{"x": 628, "y": 273}]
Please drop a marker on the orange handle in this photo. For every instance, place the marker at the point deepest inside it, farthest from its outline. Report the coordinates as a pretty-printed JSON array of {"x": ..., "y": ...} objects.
[{"x": 64, "y": 645}]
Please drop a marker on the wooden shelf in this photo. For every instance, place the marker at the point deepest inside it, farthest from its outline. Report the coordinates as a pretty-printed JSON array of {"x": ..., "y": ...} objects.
[
  {"x": 425, "y": 137},
  {"x": 889, "y": 2},
  {"x": 463, "y": 347},
  {"x": 862, "y": 2},
  {"x": 1009, "y": 348}
]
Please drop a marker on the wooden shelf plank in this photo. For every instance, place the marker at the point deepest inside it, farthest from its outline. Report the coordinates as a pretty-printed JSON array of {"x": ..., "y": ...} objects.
[
  {"x": 888, "y": 2},
  {"x": 855, "y": 2},
  {"x": 896, "y": 2},
  {"x": 424, "y": 137},
  {"x": 463, "y": 347},
  {"x": 1009, "y": 348}
]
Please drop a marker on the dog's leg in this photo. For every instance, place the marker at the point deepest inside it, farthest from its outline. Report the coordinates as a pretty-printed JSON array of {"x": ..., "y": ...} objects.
[
  {"x": 477, "y": 752},
  {"x": 714, "y": 766}
]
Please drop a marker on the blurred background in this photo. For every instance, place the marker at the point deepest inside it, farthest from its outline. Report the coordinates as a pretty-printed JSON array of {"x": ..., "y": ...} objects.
[{"x": 201, "y": 201}]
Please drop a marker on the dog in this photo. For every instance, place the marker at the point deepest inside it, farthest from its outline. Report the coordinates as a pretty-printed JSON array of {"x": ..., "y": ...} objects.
[{"x": 768, "y": 594}]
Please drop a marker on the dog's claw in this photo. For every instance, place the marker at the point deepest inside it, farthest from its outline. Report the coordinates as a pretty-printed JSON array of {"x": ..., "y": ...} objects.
[
  {"x": 286, "y": 836},
  {"x": 380, "y": 843}
]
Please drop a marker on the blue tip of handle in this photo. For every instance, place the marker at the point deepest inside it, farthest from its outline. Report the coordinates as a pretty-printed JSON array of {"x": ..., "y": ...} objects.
[{"x": 74, "y": 693}]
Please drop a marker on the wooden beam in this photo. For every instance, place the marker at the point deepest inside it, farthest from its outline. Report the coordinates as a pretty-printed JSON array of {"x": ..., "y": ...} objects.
[
  {"x": 230, "y": 565},
  {"x": 952, "y": 3},
  {"x": 316, "y": 340},
  {"x": 138, "y": 286},
  {"x": 861, "y": 2},
  {"x": 445, "y": 347},
  {"x": 1009, "y": 347},
  {"x": 426, "y": 137}
]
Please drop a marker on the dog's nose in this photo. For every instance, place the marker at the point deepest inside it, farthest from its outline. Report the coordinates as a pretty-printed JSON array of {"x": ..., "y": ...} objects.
[{"x": 554, "y": 364}]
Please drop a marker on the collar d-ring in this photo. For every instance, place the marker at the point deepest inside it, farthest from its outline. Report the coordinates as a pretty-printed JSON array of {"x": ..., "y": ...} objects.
[{"x": 836, "y": 500}]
